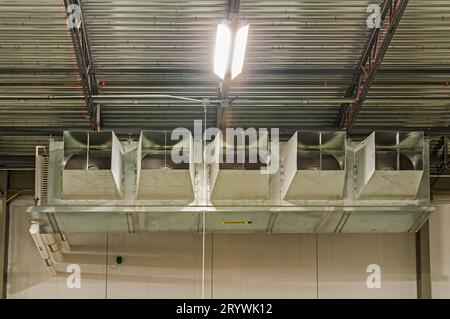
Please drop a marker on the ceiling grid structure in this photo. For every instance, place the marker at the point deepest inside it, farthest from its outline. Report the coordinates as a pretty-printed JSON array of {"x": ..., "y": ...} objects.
[
  {"x": 301, "y": 58},
  {"x": 411, "y": 90},
  {"x": 39, "y": 83}
]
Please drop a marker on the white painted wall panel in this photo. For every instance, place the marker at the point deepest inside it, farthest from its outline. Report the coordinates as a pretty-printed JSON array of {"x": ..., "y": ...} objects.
[
  {"x": 167, "y": 266},
  {"x": 343, "y": 261},
  {"x": 264, "y": 266}
]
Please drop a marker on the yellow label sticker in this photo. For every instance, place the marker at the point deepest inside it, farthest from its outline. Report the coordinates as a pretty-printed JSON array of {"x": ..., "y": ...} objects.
[{"x": 235, "y": 222}]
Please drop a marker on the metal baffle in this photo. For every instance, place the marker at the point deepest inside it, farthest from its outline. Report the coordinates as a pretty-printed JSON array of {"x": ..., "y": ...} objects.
[
  {"x": 165, "y": 168},
  {"x": 92, "y": 166},
  {"x": 314, "y": 166},
  {"x": 236, "y": 171},
  {"x": 390, "y": 165}
]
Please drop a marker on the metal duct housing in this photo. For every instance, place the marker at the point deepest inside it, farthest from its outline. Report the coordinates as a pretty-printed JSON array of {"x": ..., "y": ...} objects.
[
  {"x": 329, "y": 185},
  {"x": 159, "y": 175},
  {"x": 92, "y": 165},
  {"x": 390, "y": 165},
  {"x": 236, "y": 172},
  {"x": 314, "y": 166}
]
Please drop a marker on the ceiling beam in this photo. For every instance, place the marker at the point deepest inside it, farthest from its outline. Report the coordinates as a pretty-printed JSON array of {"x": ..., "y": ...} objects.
[
  {"x": 370, "y": 61},
  {"x": 224, "y": 86},
  {"x": 86, "y": 68}
]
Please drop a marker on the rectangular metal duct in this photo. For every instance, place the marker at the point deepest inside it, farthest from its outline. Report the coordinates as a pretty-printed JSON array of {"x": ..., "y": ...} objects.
[
  {"x": 235, "y": 174},
  {"x": 389, "y": 165},
  {"x": 314, "y": 166},
  {"x": 328, "y": 184},
  {"x": 92, "y": 166},
  {"x": 159, "y": 177}
]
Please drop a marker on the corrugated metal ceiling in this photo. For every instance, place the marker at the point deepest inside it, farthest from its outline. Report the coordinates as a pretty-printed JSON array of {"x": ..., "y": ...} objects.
[
  {"x": 300, "y": 60},
  {"x": 411, "y": 89},
  {"x": 37, "y": 67}
]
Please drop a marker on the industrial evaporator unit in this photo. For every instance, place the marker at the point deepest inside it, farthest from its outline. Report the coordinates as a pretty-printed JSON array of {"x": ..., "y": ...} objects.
[{"x": 92, "y": 182}]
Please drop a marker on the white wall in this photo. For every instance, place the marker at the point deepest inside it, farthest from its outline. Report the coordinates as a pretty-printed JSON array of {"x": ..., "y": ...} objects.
[
  {"x": 237, "y": 266},
  {"x": 440, "y": 251},
  {"x": 264, "y": 266}
]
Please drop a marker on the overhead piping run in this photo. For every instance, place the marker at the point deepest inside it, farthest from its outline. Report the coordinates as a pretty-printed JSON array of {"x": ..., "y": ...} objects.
[
  {"x": 371, "y": 59},
  {"x": 22, "y": 191},
  {"x": 97, "y": 97},
  {"x": 79, "y": 35},
  {"x": 161, "y": 96}
]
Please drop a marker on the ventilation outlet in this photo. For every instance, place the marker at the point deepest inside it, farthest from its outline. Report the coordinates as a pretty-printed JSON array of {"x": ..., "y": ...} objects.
[
  {"x": 236, "y": 170},
  {"x": 390, "y": 165},
  {"x": 165, "y": 169},
  {"x": 314, "y": 166},
  {"x": 92, "y": 167}
]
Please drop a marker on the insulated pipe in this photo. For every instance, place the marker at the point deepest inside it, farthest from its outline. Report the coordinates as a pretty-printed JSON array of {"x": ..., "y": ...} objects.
[
  {"x": 42, "y": 248},
  {"x": 64, "y": 242},
  {"x": 52, "y": 247}
]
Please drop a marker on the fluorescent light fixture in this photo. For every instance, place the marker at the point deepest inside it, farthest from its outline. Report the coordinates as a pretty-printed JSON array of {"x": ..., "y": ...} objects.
[
  {"x": 223, "y": 48},
  {"x": 230, "y": 50},
  {"x": 240, "y": 43}
]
